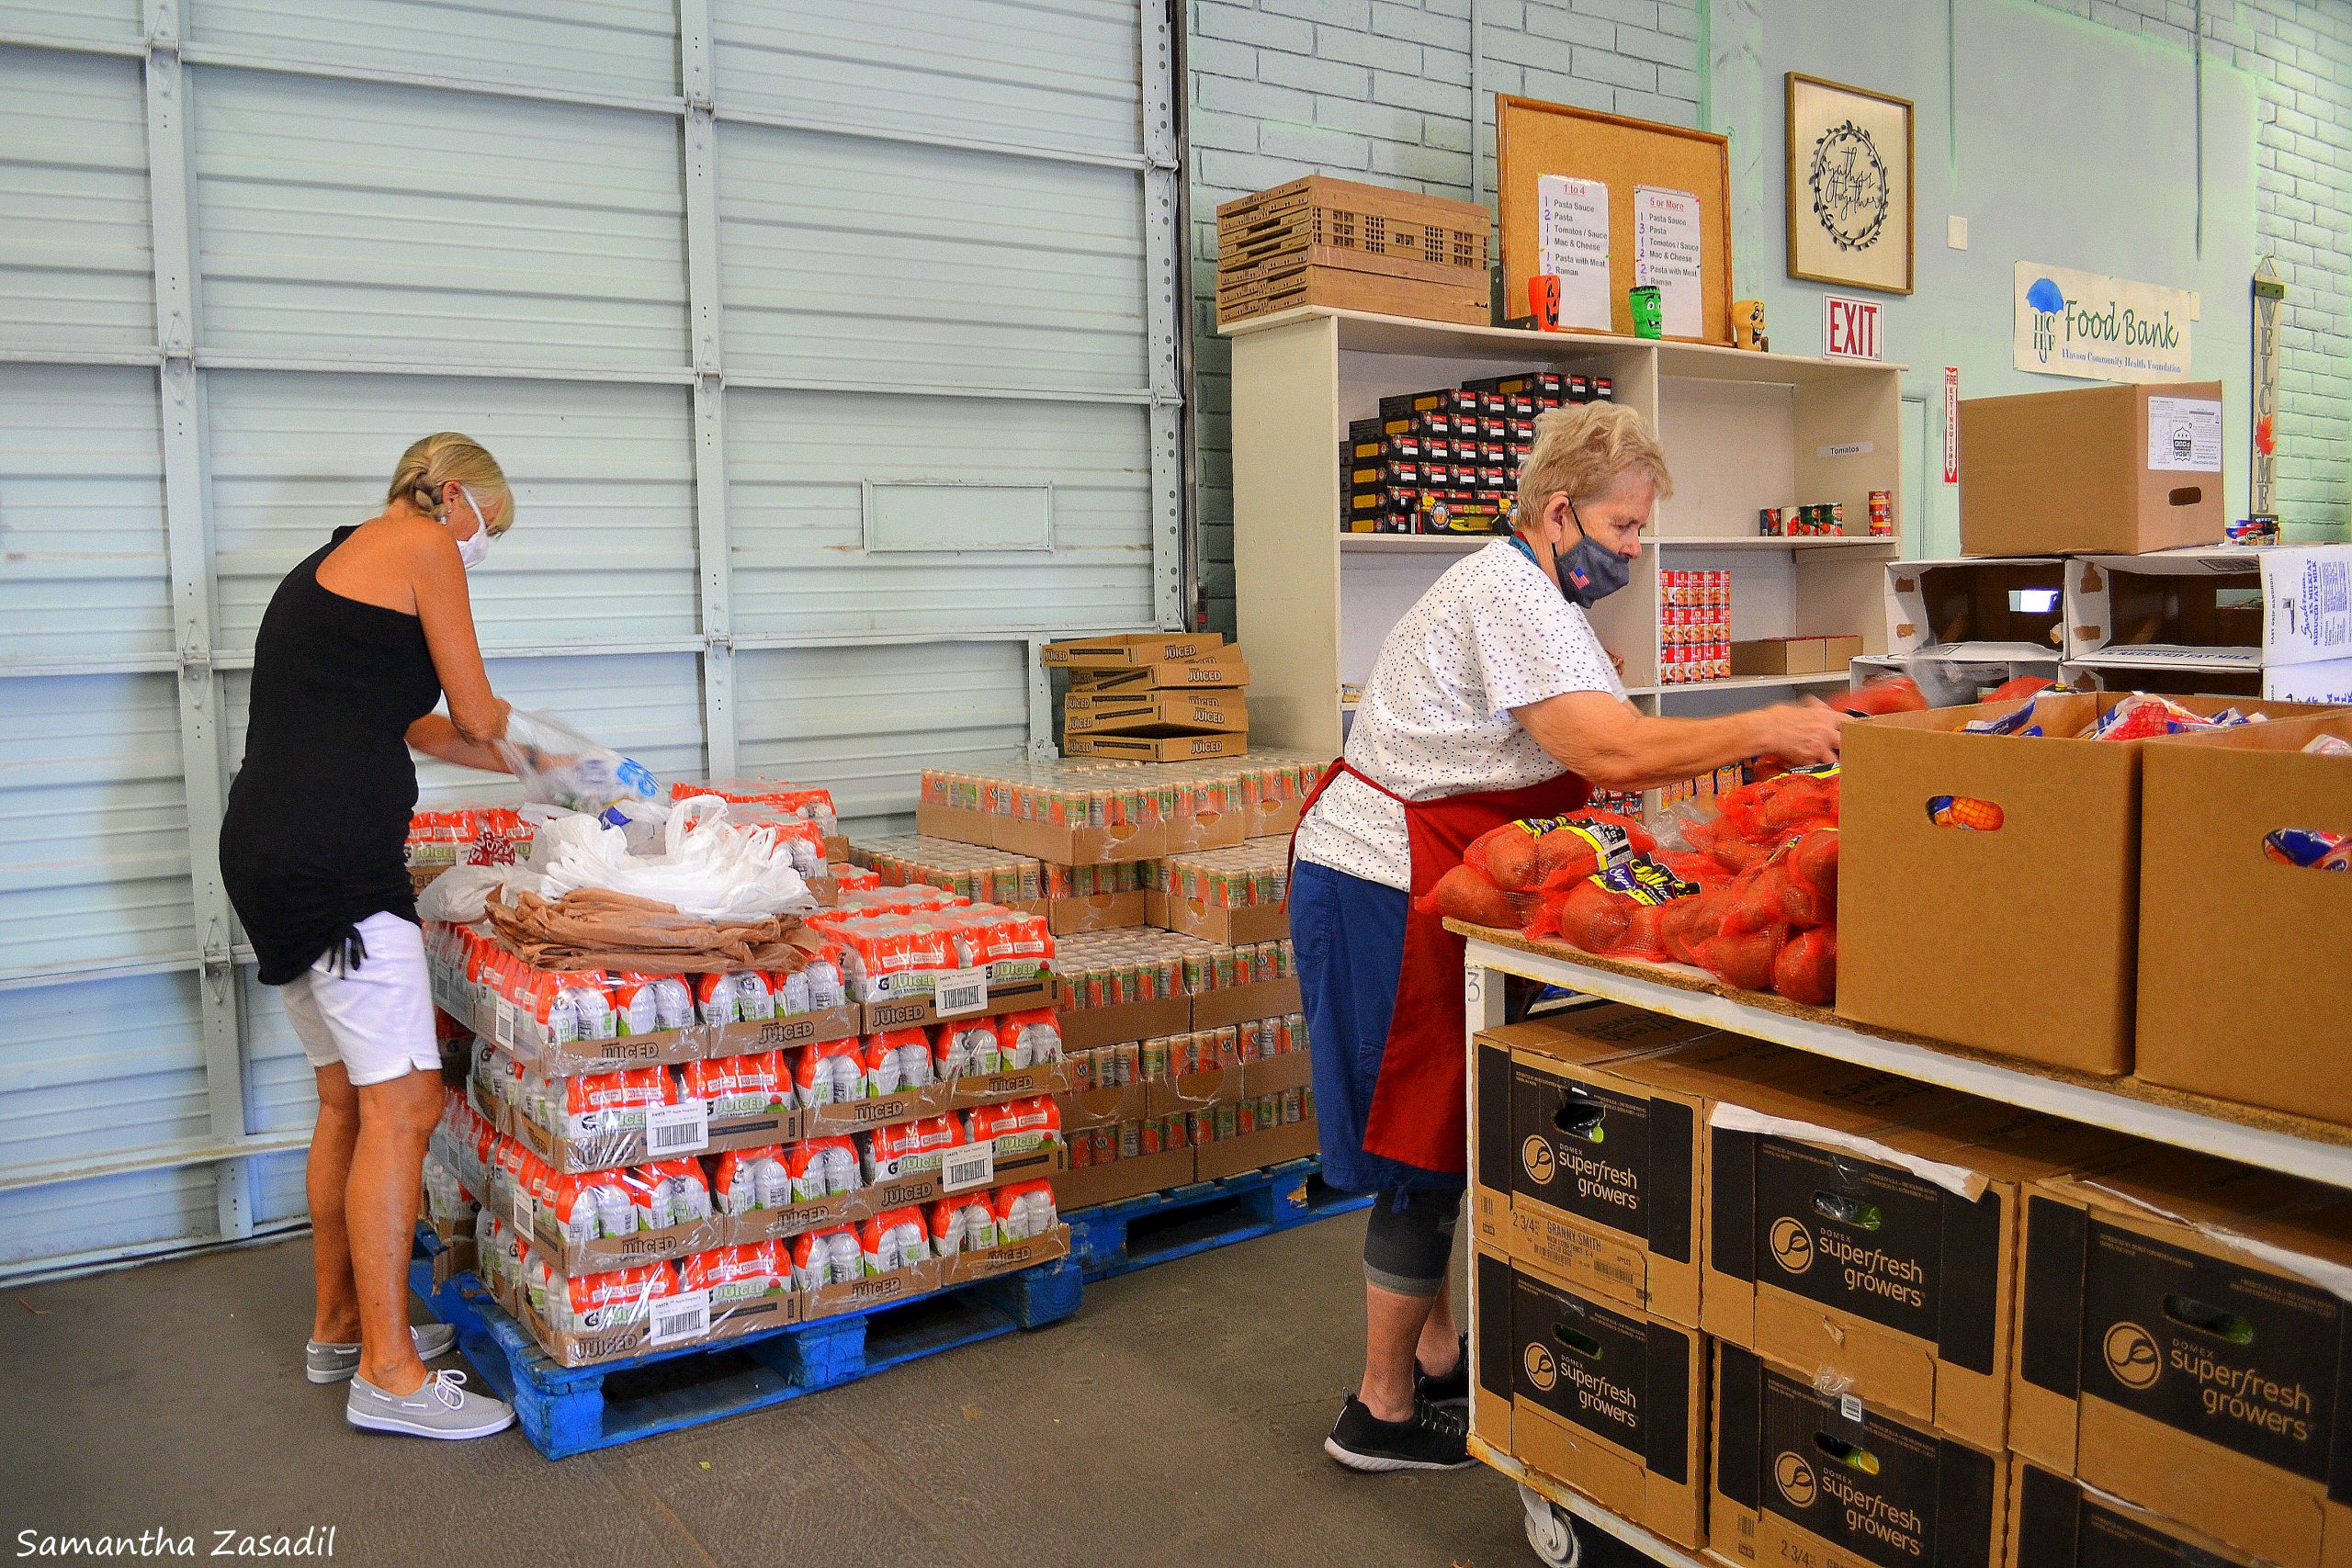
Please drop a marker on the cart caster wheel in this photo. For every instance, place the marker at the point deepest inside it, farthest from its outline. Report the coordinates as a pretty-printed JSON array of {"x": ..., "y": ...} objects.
[{"x": 1550, "y": 1530}]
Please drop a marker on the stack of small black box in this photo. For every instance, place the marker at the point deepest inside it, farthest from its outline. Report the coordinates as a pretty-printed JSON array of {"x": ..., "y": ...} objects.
[{"x": 1447, "y": 461}]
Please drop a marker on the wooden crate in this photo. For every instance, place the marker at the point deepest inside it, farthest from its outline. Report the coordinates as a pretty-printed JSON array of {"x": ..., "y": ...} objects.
[{"x": 1319, "y": 241}]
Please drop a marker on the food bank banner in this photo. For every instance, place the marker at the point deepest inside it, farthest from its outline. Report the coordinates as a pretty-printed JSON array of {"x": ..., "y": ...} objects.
[{"x": 2104, "y": 329}]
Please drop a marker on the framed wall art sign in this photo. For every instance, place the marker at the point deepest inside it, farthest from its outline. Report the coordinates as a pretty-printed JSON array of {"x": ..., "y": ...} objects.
[{"x": 1850, "y": 185}]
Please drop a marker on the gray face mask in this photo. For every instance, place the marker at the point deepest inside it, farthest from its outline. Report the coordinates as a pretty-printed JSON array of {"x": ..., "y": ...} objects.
[{"x": 1590, "y": 572}]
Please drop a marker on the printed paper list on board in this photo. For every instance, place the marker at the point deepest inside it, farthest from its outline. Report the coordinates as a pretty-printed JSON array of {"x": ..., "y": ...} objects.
[
  {"x": 2185, "y": 434},
  {"x": 1666, "y": 248},
  {"x": 1572, "y": 242}
]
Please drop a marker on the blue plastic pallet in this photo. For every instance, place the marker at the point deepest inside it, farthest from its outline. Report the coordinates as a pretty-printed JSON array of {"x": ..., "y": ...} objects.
[
  {"x": 1159, "y": 1227},
  {"x": 575, "y": 1410}
]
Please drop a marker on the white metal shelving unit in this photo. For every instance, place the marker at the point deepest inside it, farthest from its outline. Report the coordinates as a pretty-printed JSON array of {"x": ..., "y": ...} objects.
[
  {"x": 1554, "y": 1513},
  {"x": 1742, "y": 431}
]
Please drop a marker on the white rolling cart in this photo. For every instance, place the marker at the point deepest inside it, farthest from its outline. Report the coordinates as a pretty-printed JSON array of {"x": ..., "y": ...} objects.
[{"x": 1559, "y": 1521}]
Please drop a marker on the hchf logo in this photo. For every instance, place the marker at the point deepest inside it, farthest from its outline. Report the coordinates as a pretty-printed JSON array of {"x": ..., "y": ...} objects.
[
  {"x": 2131, "y": 1352},
  {"x": 1535, "y": 1153},
  {"x": 1795, "y": 1478},
  {"x": 2047, "y": 301},
  {"x": 1791, "y": 1246},
  {"x": 1540, "y": 1370}
]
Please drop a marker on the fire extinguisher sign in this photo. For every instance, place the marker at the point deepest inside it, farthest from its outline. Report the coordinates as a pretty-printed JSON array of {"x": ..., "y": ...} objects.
[{"x": 1951, "y": 424}]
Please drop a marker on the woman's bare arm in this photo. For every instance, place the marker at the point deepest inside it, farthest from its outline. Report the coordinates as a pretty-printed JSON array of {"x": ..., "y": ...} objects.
[
  {"x": 436, "y": 737},
  {"x": 446, "y": 611},
  {"x": 1612, "y": 744}
]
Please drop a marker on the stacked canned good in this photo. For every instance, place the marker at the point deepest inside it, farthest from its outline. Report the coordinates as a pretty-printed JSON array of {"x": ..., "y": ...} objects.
[
  {"x": 1190, "y": 1129},
  {"x": 1079, "y": 791},
  {"x": 1694, "y": 626},
  {"x": 973, "y": 872},
  {"x": 1814, "y": 520},
  {"x": 1244, "y": 876},
  {"x": 1165, "y": 1057}
]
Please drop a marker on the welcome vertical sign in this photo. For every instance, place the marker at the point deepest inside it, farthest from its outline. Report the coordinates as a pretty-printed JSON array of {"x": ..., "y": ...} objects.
[{"x": 2099, "y": 328}]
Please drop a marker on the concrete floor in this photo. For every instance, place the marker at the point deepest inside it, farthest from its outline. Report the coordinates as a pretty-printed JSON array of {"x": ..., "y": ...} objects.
[{"x": 1178, "y": 1419}]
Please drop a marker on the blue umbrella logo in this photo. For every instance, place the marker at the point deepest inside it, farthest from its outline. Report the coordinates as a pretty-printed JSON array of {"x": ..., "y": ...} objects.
[{"x": 2045, "y": 298}]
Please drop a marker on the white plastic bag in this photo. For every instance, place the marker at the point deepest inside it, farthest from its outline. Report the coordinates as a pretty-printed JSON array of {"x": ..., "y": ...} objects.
[
  {"x": 705, "y": 866},
  {"x": 559, "y": 766}
]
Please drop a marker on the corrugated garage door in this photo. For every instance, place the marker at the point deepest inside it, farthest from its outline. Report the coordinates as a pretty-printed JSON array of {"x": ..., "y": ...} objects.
[{"x": 814, "y": 337}]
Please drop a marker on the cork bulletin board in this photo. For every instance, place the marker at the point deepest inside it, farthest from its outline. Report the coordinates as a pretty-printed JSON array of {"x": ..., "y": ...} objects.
[{"x": 1534, "y": 137}]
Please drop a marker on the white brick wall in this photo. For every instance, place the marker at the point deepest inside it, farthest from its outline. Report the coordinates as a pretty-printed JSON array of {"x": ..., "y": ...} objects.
[
  {"x": 1379, "y": 90},
  {"x": 2301, "y": 52}
]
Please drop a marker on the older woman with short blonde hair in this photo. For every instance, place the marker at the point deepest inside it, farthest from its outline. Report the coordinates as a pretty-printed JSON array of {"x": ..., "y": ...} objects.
[{"x": 1492, "y": 700}]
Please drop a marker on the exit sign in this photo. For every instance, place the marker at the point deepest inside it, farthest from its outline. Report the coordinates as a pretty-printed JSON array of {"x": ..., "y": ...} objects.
[{"x": 1849, "y": 327}]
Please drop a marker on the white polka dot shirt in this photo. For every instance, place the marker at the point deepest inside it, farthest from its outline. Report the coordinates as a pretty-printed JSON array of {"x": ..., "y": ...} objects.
[{"x": 1491, "y": 635}]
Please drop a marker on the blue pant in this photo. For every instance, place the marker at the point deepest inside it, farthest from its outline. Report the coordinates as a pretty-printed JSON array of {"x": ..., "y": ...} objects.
[{"x": 1350, "y": 937}]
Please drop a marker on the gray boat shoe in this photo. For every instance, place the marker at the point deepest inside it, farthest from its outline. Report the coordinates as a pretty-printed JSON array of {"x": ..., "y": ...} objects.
[
  {"x": 442, "y": 1407},
  {"x": 337, "y": 1363}
]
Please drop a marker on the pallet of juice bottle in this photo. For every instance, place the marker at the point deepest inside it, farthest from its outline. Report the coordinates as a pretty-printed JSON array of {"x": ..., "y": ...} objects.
[
  {"x": 1159, "y": 1227},
  {"x": 860, "y": 1328}
]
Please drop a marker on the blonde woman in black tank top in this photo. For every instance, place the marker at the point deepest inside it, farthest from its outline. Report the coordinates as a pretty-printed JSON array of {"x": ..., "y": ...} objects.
[{"x": 359, "y": 643}]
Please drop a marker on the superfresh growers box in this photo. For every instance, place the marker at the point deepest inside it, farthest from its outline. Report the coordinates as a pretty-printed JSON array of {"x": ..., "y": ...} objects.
[
  {"x": 1862, "y": 1230},
  {"x": 1834, "y": 1480},
  {"x": 2055, "y": 1522},
  {"x": 2185, "y": 1341},
  {"x": 1587, "y": 1127},
  {"x": 1594, "y": 1394}
]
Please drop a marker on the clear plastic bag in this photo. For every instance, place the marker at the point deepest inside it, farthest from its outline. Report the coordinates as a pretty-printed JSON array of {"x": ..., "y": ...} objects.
[{"x": 559, "y": 766}]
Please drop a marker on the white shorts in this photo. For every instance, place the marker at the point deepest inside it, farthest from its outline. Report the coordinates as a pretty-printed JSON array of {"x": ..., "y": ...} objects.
[{"x": 377, "y": 1020}]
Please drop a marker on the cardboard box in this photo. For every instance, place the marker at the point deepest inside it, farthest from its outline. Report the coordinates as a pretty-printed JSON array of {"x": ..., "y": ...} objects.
[
  {"x": 1254, "y": 1151},
  {"x": 1158, "y": 748},
  {"x": 1780, "y": 655},
  {"x": 1602, "y": 1399},
  {"x": 2059, "y": 880},
  {"x": 1586, "y": 1131},
  {"x": 2206, "y": 805},
  {"x": 1842, "y": 650},
  {"x": 1094, "y": 912},
  {"x": 663, "y": 1048},
  {"x": 1834, "y": 1481},
  {"x": 2055, "y": 1522},
  {"x": 1223, "y": 669},
  {"x": 1085, "y": 1109},
  {"x": 1154, "y": 713},
  {"x": 1083, "y": 1029},
  {"x": 1272, "y": 818},
  {"x": 1064, "y": 846},
  {"x": 1123, "y": 1179},
  {"x": 933, "y": 1274},
  {"x": 1977, "y": 611},
  {"x": 2183, "y": 1347},
  {"x": 1862, "y": 1231},
  {"x": 1127, "y": 650},
  {"x": 2109, "y": 470},
  {"x": 1238, "y": 1004},
  {"x": 921, "y": 1010},
  {"x": 1213, "y": 922},
  {"x": 776, "y": 1309},
  {"x": 2281, "y": 617}
]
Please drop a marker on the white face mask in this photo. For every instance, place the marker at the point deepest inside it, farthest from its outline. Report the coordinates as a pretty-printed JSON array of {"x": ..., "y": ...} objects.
[{"x": 474, "y": 548}]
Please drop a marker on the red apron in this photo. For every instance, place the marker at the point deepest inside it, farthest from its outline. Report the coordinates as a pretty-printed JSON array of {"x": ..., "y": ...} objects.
[{"x": 1418, "y": 1113}]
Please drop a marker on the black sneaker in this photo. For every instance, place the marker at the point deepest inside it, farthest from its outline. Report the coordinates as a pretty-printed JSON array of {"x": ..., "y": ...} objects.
[
  {"x": 1452, "y": 1391},
  {"x": 1431, "y": 1439}
]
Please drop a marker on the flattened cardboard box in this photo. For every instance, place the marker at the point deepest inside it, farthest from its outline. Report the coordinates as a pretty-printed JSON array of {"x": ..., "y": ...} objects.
[
  {"x": 1158, "y": 748},
  {"x": 1129, "y": 648},
  {"x": 1597, "y": 1396},
  {"x": 2057, "y": 1523},
  {"x": 1151, "y": 713},
  {"x": 2058, "y": 879},
  {"x": 1829, "y": 1481},
  {"x": 2165, "y": 1361},
  {"x": 2206, "y": 805},
  {"x": 1586, "y": 1132},
  {"x": 2114, "y": 470},
  {"x": 1223, "y": 670},
  {"x": 1862, "y": 1230},
  {"x": 1043, "y": 841}
]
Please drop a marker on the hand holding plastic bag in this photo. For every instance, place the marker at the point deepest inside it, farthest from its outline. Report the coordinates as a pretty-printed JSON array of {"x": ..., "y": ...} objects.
[{"x": 559, "y": 766}]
